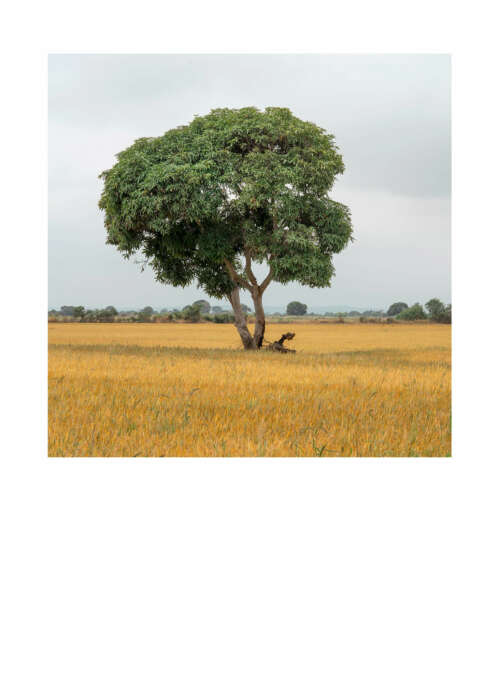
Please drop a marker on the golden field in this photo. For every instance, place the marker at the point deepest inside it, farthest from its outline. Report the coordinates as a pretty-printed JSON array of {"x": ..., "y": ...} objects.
[{"x": 187, "y": 390}]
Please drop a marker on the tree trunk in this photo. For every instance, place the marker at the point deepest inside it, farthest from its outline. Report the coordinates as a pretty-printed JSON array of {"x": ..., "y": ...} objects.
[
  {"x": 260, "y": 319},
  {"x": 240, "y": 321}
]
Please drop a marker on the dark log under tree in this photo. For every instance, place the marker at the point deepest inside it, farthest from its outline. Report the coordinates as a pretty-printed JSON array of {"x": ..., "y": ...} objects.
[{"x": 278, "y": 346}]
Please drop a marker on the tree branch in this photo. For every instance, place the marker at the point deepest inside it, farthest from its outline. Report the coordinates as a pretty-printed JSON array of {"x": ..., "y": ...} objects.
[
  {"x": 248, "y": 269},
  {"x": 265, "y": 283},
  {"x": 237, "y": 279}
]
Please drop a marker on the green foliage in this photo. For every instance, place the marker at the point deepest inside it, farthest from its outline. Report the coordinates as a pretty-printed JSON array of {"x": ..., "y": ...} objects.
[
  {"x": 413, "y": 313},
  {"x": 434, "y": 307},
  {"x": 396, "y": 308},
  {"x": 203, "y": 305},
  {"x": 438, "y": 312},
  {"x": 79, "y": 311},
  {"x": 233, "y": 181},
  {"x": 98, "y": 316},
  {"x": 224, "y": 318},
  {"x": 191, "y": 313},
  {"x": 296, "y": 308}
]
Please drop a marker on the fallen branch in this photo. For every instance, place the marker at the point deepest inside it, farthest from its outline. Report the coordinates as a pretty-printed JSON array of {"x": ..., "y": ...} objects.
[{"x": 278, "y": 346}]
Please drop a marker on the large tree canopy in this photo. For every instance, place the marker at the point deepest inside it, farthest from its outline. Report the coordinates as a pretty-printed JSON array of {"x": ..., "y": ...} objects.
[{"x": 203, "y": 201}]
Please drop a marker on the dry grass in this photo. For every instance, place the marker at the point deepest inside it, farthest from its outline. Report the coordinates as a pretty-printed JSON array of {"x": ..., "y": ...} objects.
[{"x": 123, "y": 390}]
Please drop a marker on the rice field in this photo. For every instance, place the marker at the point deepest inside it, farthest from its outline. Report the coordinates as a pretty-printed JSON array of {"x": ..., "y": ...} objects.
[{"x": 188, "y": 390}]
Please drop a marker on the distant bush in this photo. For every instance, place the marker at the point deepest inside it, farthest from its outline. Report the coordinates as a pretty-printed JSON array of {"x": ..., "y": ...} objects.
[
  {"x": 191, "y": 314},
  {"x": 223, "y": 318},
  {"x": 203, "y": 306},
  {"x": 97, "y": 316},
  {"x": 413, "y": 313},
  {"x": 445, "y": 316},
  {"x": 396, "y": 308},
  {"x": 438, "y": 312},
  {"x": 296, "y": 308}
]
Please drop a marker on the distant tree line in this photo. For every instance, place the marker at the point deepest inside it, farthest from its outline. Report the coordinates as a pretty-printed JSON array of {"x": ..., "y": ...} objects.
[
  {"x": 201, "y": 310},
  {"x": 436, "y": 312},
  {"x": 193, "y": 313}
]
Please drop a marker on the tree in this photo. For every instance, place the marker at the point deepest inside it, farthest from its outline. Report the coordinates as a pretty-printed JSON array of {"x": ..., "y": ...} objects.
[
  {"x": 438, "y": 312},
  {"x": 191, "y": 313},
  {"x": 396, "y": 308},
  {"x": 144, "y": 315},
  {"x": 435, "y": 308},
  {"x": 296, "y": 308},
  {"x": 79, "y": 311},
  {"x": 413, "y": 313},
  {"x": 203, "y": 305},
  {"x": 236, "y": 187},
  {"x": 111, "y": 311}
]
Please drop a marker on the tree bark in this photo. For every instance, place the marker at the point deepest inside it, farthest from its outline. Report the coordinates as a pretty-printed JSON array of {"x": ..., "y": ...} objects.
[
  {"x": 240, "y": 321},
  {"x": 256, "y": 291},
  {"x": 260, "y": 318}
]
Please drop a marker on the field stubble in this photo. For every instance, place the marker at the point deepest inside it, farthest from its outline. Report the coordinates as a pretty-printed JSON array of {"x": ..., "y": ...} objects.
[{"x": 186, "y": 390}]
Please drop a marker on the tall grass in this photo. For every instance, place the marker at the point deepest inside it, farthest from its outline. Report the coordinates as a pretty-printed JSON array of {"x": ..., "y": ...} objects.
[{"x": 188, "y": 390}]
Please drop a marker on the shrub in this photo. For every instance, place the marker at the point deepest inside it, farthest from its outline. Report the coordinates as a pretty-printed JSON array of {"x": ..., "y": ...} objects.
[
  {"x": 224, "y": 318},
  {"x": 413, "y": 313},
  {"x": 396, "y": 308},
  {"x": 438, "y": 312},
  {"x": 191, "y": 314}
]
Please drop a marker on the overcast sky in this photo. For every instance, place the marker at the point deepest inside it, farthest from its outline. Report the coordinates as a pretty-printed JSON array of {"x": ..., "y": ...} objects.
[{"x": 390, "y": 115}]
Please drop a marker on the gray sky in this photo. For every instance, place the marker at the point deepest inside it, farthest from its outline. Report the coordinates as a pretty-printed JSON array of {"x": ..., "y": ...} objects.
[{"x": 390, "y": 115}]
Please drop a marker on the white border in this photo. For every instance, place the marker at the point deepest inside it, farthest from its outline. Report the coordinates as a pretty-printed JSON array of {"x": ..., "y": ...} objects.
[{"x": 253, "y": 578}]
